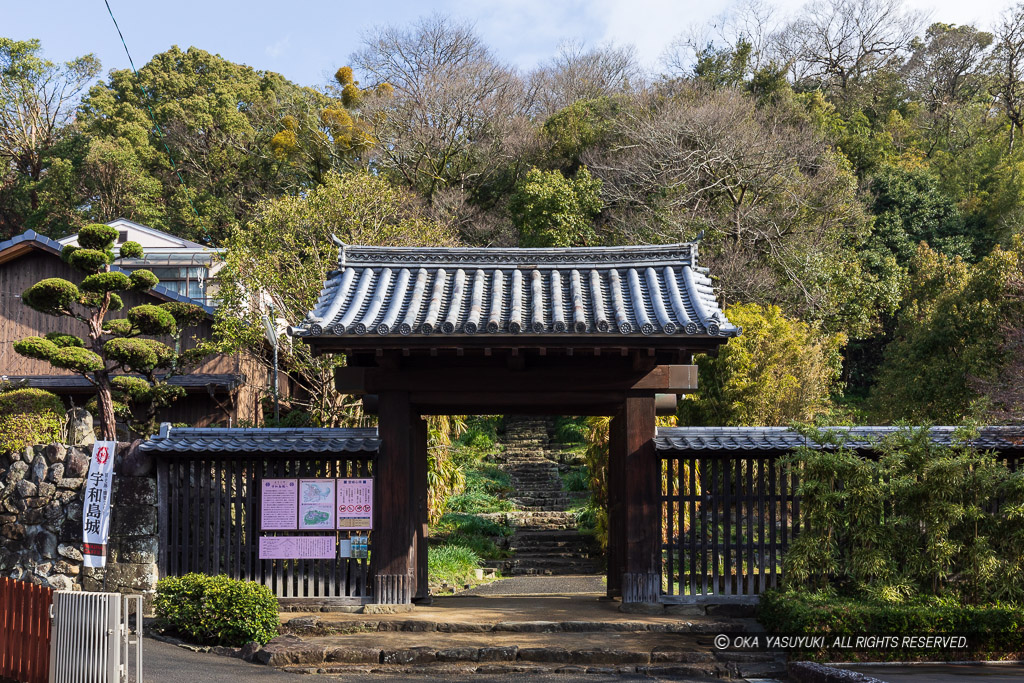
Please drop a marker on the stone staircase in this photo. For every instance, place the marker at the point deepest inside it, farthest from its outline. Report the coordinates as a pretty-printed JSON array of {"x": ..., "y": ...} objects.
[{"x": 546, "y": 541}]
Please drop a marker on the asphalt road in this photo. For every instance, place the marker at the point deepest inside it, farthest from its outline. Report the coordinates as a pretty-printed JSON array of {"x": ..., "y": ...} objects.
[{"x": 944, "y": 673}]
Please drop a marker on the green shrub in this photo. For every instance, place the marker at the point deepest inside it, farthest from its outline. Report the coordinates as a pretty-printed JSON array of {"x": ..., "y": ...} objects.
[
  {"x": 990, "y": 628},
  {"x": 472, "y": 532},
  {"x": 216, "y": 610},
  {"x": 576, "y": 479},
  {"x": 570, "y": 430},
  {"x": 131, "y": 250},
  {"x": 453, "y": 564},
  {"x": 29, "y": 417}
]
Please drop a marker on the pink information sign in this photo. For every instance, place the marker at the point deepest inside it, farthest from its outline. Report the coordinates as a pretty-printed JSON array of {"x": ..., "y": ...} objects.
[
  {"x": 297, "y": 547},
  {"x": 279, "y": 499},
  {"x": 355, "y": 503}
]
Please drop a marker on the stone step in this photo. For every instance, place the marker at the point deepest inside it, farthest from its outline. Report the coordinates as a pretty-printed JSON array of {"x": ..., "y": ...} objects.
[{"x": 442, "y": 654}]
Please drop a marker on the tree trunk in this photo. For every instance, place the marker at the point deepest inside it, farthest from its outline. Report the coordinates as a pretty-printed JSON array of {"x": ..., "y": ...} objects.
[{"x": 105, "y": 400}]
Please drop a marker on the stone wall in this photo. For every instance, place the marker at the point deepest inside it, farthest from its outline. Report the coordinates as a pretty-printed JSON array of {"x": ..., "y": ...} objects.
[{"x": 41, "y": 493}]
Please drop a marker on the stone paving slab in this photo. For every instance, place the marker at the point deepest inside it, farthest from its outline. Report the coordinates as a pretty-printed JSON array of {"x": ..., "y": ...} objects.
[{"x": 586, "y": 607}]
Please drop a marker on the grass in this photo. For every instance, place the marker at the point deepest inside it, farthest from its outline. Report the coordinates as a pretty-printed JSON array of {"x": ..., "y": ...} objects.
[
  {"x": 452, "y": 564},
  {"x": 470, "y": 531},
  {"x": 576, "y": 479},
  {"x": 486, "y": 491}
]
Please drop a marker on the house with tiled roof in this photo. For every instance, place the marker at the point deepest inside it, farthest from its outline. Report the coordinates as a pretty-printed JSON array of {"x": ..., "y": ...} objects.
[{"x": 224, "y": 390}]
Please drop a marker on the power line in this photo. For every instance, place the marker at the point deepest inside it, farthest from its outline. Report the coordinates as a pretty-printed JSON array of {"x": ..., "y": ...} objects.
[{"x": 152, "y": 116}]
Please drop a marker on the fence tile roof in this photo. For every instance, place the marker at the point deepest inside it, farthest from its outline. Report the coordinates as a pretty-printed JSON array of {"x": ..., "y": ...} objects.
[
  {"x": 784, "y": 439},
  {"x": 269, "y": 440},
  {"x": 594, "y": 291}
]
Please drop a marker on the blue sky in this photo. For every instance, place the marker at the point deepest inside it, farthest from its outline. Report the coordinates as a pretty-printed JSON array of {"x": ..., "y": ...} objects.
[{"x": 307, "y": 40}]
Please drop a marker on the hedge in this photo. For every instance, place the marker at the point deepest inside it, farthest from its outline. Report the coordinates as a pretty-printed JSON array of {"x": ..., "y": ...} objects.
[
  {"x": 216, "y": 610},
  {"x": 994, "y": 629},
  {"x": 29, "y": 417}
]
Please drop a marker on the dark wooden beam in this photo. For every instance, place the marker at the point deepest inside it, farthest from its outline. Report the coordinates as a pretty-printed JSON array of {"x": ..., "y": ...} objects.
[
  {"x": 641, "y": 576},
  {"x": 662, "y": 379},
  {"x": 421, "y": 512},
  {"x": 392, "y": 558},
  {"x": 616, "y": 503}
]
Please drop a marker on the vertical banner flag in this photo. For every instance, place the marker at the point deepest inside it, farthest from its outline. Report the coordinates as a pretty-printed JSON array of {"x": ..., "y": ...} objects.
[{"x": 96, "y": 511}]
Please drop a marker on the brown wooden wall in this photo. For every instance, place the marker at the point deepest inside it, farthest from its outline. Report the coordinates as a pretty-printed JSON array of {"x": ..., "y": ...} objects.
[{"x": 18, "y": 321}]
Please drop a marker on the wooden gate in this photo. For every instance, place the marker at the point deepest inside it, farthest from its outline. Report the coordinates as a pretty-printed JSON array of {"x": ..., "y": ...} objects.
[
  {"x": 24, "y": 631},
  {"x": 210, "y": 522},
  {"x": 727, "y": 520}
]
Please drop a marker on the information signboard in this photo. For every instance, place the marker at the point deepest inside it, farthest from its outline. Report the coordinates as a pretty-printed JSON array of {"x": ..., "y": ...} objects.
[
  {"x": 279, "y": 504},
  {"x": 297, "y": 547},
  {"x": 355, "y": 504},
  {"x": 316, "y": 504}
]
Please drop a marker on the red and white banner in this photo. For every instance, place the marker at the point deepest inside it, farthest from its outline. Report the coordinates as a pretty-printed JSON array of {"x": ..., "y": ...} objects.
[{"x": 96, "y": 509}]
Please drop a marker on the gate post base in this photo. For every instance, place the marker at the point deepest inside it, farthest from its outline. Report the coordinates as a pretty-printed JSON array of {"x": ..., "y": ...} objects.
[
  {"x": 641, "y": 587},
  {"x": 393, "y": 589}
]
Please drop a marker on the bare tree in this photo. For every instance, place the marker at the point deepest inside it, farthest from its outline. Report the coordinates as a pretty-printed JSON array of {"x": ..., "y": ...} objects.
[
  {"x": 837, "y": 43},
  {"x": 453, "y": 115},
  {"x": 577, "y": 73},
  {"x": 778, "y": 211},
  {"x": 750, "y": 21},
  {"x": 1008, "y": 67}
]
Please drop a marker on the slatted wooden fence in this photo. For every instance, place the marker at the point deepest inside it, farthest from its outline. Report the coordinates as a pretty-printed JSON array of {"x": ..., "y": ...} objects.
[
  {"x": 725, "y": 530},
  {"x": 24, "y": 631},
  {"x": 210, "y": 522}
]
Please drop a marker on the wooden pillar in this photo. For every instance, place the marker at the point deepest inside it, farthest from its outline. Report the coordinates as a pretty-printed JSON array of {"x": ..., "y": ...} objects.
[
  {"x": 394, "y": 504},
  {"x": 421, "y": 592},
  {"x": 641, "y": 575},
  {"x": 616, "y": 504}
]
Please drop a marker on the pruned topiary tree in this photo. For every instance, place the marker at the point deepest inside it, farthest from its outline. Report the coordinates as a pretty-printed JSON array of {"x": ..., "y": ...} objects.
[{"x": 129, "y": 369}]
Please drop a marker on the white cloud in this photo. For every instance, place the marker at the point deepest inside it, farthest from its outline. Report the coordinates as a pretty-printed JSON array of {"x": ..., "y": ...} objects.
[{"x": 279, "y": 48}]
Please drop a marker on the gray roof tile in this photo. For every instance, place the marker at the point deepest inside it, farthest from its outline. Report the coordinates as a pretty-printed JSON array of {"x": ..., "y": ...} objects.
[
  {"x": 604, "y": 291},
  {"x": 52, "y": 245},
  {"x": 270, "y": 440},
  {"x": 784, "y": 438}
]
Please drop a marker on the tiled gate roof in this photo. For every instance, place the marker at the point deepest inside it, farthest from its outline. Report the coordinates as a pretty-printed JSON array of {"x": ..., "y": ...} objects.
[
  {"x": 784, "y": 439},
  {"x": 594, "y": 291}
]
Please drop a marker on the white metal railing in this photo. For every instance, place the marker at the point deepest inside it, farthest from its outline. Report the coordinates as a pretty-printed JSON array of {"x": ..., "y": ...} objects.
[{"x": 91, "y": 636}]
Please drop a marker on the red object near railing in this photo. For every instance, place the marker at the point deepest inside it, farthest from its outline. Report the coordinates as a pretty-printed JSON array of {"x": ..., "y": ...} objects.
[{"x": 24, "y": 631}]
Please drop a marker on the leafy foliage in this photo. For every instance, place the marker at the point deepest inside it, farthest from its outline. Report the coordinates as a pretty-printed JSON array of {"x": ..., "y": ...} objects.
[
  {"x": 111, "y": 346},
  {"x": 921, "y": 519},
  {"x": 550, "y": 210},
  {"x": 29, "y": 417},
  {"x": 216, "y": 610},
  {"x": 778, "y": 371},
  {"x": 994, "y": 628}
]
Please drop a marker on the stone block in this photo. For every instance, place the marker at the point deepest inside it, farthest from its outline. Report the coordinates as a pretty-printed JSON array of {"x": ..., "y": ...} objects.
[
  {"x": 135, "y": 577},
  {"x": 13, "y": 531},
  {"x": 133, "y": 520},
  {"x": 76, "y": 465},
  {"x": 16, "y": 472},
  {"x": 25, "y": 489},
  {"x": 40, "y": 468},
  {"x": 65, "y": 567},
  {"x": 289, "y": 649},
  {"x": 45, "y": 543},
  {"x": 72, "y": 483},
  {"x": 56, "y": 473},
  {"x": 46, "y": 490},
  {"x": 377, "y": 608},
  {"x": 608, "y": 656},
  {"x": 459, "y": 654},
  {"x": 55, "y": 453},
  {"x": 499, "y": 654},
  {"x": 138, "y": 549},
  {"x": 354, "y": 655},
  {"x": 70, "y": 552},
  {"x": 135, "y": 491},
  {"x": 413, "y": 655},
  {"x": 543, "y": 654}
]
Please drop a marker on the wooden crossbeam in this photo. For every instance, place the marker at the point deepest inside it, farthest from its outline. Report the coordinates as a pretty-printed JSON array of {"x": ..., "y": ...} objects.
[{"x": 662, "y": 379}]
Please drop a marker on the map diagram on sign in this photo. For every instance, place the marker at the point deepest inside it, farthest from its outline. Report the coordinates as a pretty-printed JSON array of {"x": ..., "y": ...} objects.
[{"x": 316, "y": 503}]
